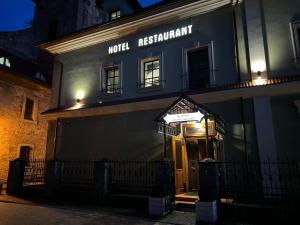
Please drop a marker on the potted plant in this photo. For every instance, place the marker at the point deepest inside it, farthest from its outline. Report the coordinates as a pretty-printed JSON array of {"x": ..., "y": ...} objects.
[{"x": 159, "y": 202}]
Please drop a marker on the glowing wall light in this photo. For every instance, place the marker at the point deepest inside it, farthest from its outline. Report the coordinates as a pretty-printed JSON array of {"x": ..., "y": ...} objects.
[
  {"x": 80, "y": 94},
  {"x": 258, "y": 67}
]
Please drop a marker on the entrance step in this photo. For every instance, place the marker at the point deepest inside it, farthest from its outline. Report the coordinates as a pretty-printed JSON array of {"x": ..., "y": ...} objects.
[{"x": 187, "y": 198}]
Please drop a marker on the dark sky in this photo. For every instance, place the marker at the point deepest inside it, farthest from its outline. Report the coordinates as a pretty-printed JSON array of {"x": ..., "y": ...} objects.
[{"x": 15, "y": 14}]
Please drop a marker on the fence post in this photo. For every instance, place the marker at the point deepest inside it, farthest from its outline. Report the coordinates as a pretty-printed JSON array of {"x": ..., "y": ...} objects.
[
  {"x": 52, "y": 179},
  {"x": 15, "y": 177},
  {"x": 102, "y": 177}
]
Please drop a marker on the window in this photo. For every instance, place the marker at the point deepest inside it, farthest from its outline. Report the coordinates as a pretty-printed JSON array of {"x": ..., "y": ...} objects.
[
  {"x": 112, "y": 80},
  {"x": 198, "y": 68},
  {"x": 28, "y": 112},
  {"x": 40, "y": 76},
  {"x": 25, "y": 154},
  {"x": 296, "y": 39},
  {"x": 113, "y": 15},
  {"x": 151, "y": 73},
  {"x": 4, "y": 61}
]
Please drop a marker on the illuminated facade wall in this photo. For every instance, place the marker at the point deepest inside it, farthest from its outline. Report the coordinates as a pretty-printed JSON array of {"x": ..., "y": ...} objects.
[
  {"x": 253, "y": 42},
  {"x": 15, "y": 131}
]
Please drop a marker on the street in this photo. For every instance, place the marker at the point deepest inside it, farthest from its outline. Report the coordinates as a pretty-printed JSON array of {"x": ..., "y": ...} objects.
[{"x": 23, "y": 214}]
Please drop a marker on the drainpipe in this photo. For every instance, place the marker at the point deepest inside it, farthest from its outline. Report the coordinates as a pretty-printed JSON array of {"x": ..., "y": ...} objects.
[
  {"x": 58, "y": 106},
  {"x": 237, "y": 57}
]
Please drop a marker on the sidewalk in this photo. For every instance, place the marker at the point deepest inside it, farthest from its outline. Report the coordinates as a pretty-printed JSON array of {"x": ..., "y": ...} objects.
[
  {"x": 106, "y": 215},
  {"x": 12, "y": 199}
]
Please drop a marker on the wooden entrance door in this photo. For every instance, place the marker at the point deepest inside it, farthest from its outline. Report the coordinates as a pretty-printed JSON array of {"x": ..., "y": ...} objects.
[
  {"x": 179, "y": 159},
  {"x": 192, "y": 150}
]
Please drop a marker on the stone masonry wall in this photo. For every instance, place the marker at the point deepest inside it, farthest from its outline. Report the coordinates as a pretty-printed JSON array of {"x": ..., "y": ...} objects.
[{"x": 16, "y": 131}]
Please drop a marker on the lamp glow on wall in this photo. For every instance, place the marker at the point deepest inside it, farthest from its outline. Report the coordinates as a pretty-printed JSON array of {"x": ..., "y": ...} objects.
[
  {"x": 259, "y": 68},
  {"x": 80, "y": 94}
]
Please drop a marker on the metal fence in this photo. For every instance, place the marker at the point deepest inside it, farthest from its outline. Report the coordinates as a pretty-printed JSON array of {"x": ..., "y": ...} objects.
[
  {"x": 34, "y": 173},
  {"x": 141, "y": 177},
  {"x": 77, "y": 176},
  {"x": 259, "y": 180}
]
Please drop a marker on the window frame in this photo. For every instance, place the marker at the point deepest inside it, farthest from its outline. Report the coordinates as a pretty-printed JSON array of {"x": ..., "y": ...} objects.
[
  {"x": 141, "y": 75},
  {"x": 5, "y": 61},
  {"x": 104, "y": 79},
  {"x": 117, "y": 12},
  {"x": 295, "y": 31},
  {"x": 34, "y": 109},
  {"x": 185, "y": 63}
]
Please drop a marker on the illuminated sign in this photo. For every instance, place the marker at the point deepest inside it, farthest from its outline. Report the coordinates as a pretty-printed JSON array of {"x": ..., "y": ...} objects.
[
  {"x": 153, "y": 39},
  {"x": 172, "y": 118},
  {"x": 161, "y": 37},
  {"x": 123, "y": 47}
]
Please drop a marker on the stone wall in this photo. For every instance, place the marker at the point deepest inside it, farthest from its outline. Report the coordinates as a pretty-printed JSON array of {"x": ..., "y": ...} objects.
[{"x": 16, "y": 131}]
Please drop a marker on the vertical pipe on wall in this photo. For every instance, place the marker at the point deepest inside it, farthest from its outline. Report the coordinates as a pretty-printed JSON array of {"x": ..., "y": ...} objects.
[
  {"x": 165, "y": 144},
  {"x": 206, "y": 136}
]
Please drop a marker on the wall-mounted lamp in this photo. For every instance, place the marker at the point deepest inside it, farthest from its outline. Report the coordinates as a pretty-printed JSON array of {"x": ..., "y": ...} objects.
[{"x": 258, "y": 67}]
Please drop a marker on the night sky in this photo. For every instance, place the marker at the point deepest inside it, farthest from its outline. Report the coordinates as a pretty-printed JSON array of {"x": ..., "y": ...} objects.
[{"x": 15, "y": 14}]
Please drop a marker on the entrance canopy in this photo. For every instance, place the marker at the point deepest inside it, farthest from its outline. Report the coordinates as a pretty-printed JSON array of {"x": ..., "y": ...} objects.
[{"x": 183, "y": 110}]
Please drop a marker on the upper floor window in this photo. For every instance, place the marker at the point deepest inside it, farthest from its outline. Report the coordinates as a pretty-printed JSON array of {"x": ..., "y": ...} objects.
[
  {"x": 28, "y": 111},
  {"x": 5, "y": 61},
  {"x": 151, "y": 73},
  {"x": 40, "y": 76},
  {"x": 113, "y": 15},
  {"x": 112, "y": 80},
  {"x": 296, "y": 38},
  {"x": 198, "y": 68}
]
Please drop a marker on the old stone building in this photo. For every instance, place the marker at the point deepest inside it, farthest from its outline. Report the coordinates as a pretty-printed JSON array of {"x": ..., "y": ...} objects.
[{"x": 24, "y": 94}]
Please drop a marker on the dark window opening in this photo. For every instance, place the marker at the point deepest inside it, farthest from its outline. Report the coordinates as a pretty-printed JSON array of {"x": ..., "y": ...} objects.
[
  {"x": 113, "y": 15},
  {"x": 25, "y": 154},
  {"x": 28, "y": 113},
  {"x": 53, "y": 29},
  {"x": 151, "y": 73},
  {"x": 112, "y": 85},
  {"x": 199, "y": 71}
]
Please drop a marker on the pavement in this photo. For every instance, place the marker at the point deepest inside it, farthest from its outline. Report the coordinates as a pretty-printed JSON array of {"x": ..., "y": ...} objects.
[{"x": 19, "y": 211}]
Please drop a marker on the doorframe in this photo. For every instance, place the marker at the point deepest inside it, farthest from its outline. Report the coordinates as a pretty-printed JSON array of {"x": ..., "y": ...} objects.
[
  {"x": 184, "y": 160},
  {"x": 185, "y": 66}
]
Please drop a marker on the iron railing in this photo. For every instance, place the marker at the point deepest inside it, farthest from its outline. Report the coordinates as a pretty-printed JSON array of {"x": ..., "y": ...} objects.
[
  {"x": 34, "y": 173},
  {"x": 77, "y": 176},
  {"x": 141, "y": 177},
  {"x": 259, "y": 180}
]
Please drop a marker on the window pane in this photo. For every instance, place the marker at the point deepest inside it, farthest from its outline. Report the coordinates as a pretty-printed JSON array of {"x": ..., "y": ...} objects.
[
  {"x": 28, "y": 114},
  {"x": 156, "y": 73},
  {"x": 7, "y": 63},
  {"x": 116, "y": 81},
  {"x": 148, "y": 66},
  {"x": 148, "y": 74},
  {"x": 2, "y": 60},
  {"x": 151, "y": 73},
  {"x": 116, "y": 72},
  {"x": 155, "y": 64},
  {"x": 112, "y": 80}
]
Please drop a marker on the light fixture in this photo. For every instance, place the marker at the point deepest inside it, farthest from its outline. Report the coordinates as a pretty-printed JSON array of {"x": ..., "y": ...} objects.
[{"x": 258, "y": 67}]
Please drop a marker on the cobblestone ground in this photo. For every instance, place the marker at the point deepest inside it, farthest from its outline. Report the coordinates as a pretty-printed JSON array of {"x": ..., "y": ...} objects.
[{"x": 24, "y": 214}]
